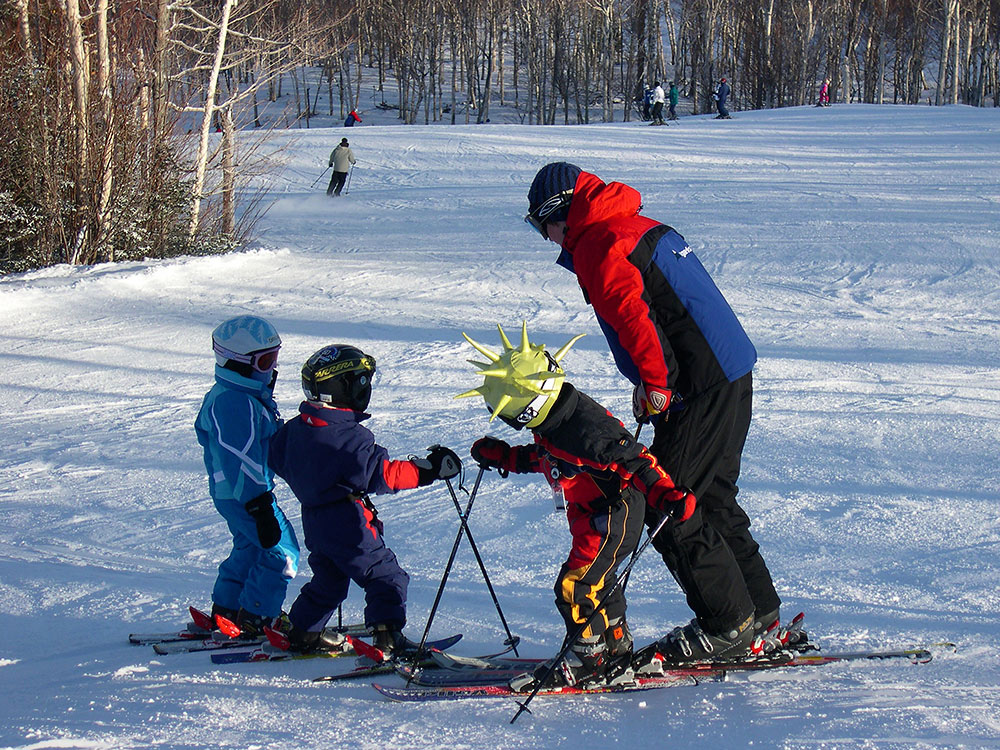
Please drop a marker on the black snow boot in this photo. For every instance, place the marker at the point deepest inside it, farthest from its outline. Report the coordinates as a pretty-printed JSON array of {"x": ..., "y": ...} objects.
[
  {"x": 229, "y": 614},
  {"x": 389, "y": 639},
  {"x": 693, "y": 644},
  {"x": 251, "y": 626},
  {"x": 316, "y": 642}
]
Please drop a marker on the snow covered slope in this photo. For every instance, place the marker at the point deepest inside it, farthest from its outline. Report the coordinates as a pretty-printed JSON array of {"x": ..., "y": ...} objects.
[{"x": 859, "y": 246}]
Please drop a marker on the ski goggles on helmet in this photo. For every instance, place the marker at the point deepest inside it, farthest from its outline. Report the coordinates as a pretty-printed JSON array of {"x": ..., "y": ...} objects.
[
  {"x": 262, "y": 361},
  {"x": 540, "y": 216}
]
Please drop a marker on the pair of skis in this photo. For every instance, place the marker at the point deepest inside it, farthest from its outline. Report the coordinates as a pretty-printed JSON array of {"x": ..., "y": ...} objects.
[
  {"x": 463, "y": 678},
  {"x": 354, "y": 646},
  {"x": 205, "y": 633}
]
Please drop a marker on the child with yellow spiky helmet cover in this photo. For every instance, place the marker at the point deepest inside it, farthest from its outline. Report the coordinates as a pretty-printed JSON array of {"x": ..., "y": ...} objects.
[
  {"x": 606, "y": 478},
  {"x": 521, "y": 384}
]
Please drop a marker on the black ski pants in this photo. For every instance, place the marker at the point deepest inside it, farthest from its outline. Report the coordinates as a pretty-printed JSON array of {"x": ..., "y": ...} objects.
[
  {"x": 713, "y": 555},
  {"x": 337, "y": 180}
]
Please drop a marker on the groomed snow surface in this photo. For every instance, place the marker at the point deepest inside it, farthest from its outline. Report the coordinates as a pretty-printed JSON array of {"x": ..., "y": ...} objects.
[{"x": 858, "y": 245}]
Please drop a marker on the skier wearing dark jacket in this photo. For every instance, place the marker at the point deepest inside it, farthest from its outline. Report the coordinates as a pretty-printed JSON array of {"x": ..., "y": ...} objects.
[
  {"x": 721, "y": 95},
  {"x": 674, "y": 336},
  {"x": 594, "y": 463},
  {"x": 332, "y": 463}
]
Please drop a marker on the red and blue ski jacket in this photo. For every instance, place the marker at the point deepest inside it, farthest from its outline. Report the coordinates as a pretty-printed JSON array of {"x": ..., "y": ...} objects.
[{"x": 665, "y": 320}]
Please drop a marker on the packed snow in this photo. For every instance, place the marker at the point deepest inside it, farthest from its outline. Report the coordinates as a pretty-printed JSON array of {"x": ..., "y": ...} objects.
[{"x": 859, "y": 246}]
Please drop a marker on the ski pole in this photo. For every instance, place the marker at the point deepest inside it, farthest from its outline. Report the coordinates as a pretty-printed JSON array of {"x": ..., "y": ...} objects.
[
  {"x": 447, "y": 569},
  {"x": 319, "y": 178},
  {"x": 512, "y": 640},
  {"x": 349, "y": 179},
  {"x": 523, "y": 706}
]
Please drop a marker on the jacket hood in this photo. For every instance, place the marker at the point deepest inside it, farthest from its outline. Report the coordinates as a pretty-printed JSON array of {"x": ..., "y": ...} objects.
[
  {"x": 263, "y": 392},
  {"x": 594, "y": 202},
  {"x": 332, "y": 415}
]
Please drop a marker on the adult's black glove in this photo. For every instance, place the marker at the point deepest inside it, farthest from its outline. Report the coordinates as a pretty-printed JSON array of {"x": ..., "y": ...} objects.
[
  {"x": 441, "y": 463},
  {"x": 261, "y": 510}
]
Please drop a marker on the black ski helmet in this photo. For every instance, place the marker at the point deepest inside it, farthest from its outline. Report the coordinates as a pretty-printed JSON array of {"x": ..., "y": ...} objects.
[{"x": 339, "y": 375}]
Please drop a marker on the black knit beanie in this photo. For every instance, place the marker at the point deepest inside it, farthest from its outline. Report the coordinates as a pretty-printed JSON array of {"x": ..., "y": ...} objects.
[{"x": 552, "y": 179}]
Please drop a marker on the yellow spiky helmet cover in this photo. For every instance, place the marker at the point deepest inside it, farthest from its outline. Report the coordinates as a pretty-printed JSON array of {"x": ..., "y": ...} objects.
[{"x": 521, "y": 384}]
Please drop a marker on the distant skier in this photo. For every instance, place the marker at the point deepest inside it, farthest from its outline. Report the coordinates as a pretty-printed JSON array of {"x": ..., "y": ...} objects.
[
  {"x": 593, "y": 462},
  {"x": 341, "y": 159},
  {"x": 673, "y": 96},
  {"x": 332, "y": 463},
  {"x": 658, "y": 99},
  {"x": 352, "y": 118},
  {"x": 824, "y": 94},
  {"x": 647, "y": 102},
  {"x": 237, "y": 419},
  {"x": 721, "y": 95}
]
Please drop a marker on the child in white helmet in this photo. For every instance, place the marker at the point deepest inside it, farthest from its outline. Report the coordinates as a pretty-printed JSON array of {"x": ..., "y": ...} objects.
[{"x": 238, "y": 416}]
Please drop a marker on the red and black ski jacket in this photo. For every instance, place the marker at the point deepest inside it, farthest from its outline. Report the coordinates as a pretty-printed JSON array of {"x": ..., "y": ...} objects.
[
  {"x": 589, "y": 454},
  {"x": 665, "y": 320}
]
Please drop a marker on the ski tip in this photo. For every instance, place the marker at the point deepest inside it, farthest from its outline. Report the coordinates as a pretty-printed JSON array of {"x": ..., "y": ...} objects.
[{"x": 387, "y": 692}]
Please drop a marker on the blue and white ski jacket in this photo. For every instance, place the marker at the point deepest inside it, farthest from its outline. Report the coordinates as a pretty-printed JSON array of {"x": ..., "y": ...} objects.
[{"x": 238, "y": 417}]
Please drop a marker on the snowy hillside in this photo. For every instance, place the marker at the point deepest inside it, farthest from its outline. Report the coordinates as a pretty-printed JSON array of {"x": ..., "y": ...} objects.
[{"x": 859, "y": 246}]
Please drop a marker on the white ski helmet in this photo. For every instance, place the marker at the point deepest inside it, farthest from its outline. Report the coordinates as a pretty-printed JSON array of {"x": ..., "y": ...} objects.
[{"x": 246, "y": 339}]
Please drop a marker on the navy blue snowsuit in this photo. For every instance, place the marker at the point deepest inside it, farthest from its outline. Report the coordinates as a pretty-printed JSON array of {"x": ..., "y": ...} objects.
[
  {"x": 721, "y": 94},
  {"x": 332, "y": 462}
]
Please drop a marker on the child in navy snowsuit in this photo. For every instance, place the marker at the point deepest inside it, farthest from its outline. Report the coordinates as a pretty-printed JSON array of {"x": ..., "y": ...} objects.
[{"x": 332, "y": 463}]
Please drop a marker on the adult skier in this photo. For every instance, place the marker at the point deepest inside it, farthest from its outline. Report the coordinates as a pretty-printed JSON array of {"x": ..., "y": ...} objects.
[
  {"x": 332, "y": 463},
  {"x": 341, "y": 159},
  {"x": 674, "y": 336},
  {"x": 658, "y": 99},
  {"x": 238, "y": 416},
  {"x": 595, "y": 464},
  {"x": 721, "y": 95}
]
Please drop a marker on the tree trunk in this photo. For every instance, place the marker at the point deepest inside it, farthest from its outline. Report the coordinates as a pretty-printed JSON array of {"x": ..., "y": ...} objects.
[
  {"x": 949, "y": 14},
  {"x": 80, "y": 74},
  {"x": 201, "y": 160},
  {"x": 105, "y": 177},
  {"x": 228, "y": 172}
]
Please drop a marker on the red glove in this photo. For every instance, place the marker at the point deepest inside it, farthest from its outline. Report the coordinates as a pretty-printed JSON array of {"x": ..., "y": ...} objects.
[
  {"x": 648, "y": 401},
  {"x": 677, "y": 501},
  {"x": 491, "y": 453}
]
